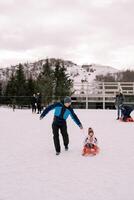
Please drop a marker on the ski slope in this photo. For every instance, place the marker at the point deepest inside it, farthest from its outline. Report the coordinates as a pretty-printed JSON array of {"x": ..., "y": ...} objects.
[{"x": 30, "y": 170}]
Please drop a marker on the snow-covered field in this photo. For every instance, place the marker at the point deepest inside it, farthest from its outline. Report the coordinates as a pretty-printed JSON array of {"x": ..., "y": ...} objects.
[{"x": 30, "y": 170}]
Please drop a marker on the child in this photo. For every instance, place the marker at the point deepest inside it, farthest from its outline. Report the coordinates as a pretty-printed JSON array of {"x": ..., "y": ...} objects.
[{"x": 90, "y": 144}]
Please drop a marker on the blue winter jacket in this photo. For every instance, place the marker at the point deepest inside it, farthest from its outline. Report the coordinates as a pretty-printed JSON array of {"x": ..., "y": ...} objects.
[{"x": 61, "y": 113}]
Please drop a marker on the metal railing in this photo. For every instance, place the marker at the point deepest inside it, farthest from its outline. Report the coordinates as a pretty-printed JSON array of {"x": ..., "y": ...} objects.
[
  {"x": 86, "y": 95},
  {"x": 102, "y": 92}
]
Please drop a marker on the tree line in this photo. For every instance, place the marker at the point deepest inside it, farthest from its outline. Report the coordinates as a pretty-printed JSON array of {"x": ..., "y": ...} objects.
[
  {"x": 52, "y": 83},
  {"x": 123, "y": 76}
]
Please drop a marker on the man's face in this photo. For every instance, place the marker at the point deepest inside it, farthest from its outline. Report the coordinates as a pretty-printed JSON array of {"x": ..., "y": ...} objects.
[{"x": 67, "y": 104}]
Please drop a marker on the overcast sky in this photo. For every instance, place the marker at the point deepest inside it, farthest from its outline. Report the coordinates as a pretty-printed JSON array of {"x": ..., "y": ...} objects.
[{"x": 83, "y": 31}]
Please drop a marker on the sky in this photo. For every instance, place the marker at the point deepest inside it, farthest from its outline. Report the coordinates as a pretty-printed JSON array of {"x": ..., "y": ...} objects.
[{"x": 85, "y": 32}]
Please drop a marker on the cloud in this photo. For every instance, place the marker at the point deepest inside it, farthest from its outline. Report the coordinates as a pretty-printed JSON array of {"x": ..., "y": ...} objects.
[{"x": 92, "y": 31}]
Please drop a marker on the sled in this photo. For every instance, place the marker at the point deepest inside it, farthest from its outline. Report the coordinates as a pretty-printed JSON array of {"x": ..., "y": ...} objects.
[
  {"x": 129, "y": 119},
  {"x": 90, "y": 151}
]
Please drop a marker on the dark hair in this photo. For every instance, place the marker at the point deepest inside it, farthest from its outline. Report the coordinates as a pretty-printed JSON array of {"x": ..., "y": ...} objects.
[{"x": 90, "y": 130}]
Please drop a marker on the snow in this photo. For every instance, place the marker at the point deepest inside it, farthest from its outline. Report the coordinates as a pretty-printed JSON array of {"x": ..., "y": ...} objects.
[
  {"x": 81, "y": 76},
  {"x": 30, "y": 170},
  {"x": 76, "y": 72},
  {"x": 79, "y": 73}
]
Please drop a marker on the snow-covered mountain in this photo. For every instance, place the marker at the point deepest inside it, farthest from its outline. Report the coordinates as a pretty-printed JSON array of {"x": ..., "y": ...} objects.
[
  {"x": 79, "y": 73},
  {"x": 86, "y": 74}
]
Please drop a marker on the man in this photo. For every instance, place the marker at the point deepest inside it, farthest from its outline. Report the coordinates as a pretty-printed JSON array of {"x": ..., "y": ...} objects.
[
  {"x": 62, "y": 111},
  {"x": 33, "y": 103},
  {"x": 38, "y": 103},
  {"x": 119, "y": 100}
]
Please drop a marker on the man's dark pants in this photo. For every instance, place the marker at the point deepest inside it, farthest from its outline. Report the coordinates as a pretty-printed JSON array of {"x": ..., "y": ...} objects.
[{"x": 63, "y": 129}]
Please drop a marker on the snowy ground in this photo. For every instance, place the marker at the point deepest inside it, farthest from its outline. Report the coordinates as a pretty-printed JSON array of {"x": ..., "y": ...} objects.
[{"x": 30, "y": 170}]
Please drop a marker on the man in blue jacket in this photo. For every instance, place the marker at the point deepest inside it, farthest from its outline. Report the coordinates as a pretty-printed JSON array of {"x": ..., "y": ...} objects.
[{"x": 62, "y": 111}]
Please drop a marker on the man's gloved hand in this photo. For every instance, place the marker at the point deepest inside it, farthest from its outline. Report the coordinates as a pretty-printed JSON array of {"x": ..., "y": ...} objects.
[
  {"x": 81, "y": 127},
  {"x": 41, "y": 117}
]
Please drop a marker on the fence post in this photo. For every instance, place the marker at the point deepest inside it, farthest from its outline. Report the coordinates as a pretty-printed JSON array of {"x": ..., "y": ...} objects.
[
  {"x": 103, "y": 93},
  {"x": 119, "y": 86},
  {"x": 87, "y": 97}
]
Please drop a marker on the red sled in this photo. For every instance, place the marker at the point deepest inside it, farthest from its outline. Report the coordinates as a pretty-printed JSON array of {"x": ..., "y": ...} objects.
[
  {"x": 129, "y": 119},
  {"x": 90, "y": 151}
]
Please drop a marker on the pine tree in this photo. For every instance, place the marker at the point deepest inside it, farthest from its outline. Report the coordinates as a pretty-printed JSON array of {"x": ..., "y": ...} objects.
[
  {"x": 0, "y": 88},
  {"x": 30, "y": 87},
  {"x": 0, "y": 92},
  {"x": 127, "y": 76},
  {"x": 20, "y": 81},
  {"x": 45, "y": 83},
  {"x": 11, "y": 89},
  {"x": 63, "y": 84}
]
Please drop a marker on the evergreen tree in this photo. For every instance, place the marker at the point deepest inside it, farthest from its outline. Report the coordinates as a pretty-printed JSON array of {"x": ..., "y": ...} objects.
[
  {"x": 63, "y": 84},
  {"x": 105, "y": 78},
  {"x": 127, "y": 76},
  {"x": 0, "y": 89},
  {"x": 0, "y": 92},
  {"x": 11, "y": 87},
  {"x": 10, "y": 90},
  {"x": 30, "y": 90},
  {"x": 45, "y": 83},
  {"x": 20, "y": 81},
  {"x": 30, "y": 87},
  {"x": 121, "y": 76}
]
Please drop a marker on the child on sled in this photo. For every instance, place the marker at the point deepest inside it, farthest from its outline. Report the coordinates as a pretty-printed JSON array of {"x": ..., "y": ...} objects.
[{"x": 90, "y": 144}]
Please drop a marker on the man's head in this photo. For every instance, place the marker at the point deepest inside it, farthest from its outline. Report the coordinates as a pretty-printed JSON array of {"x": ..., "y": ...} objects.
[{"x": 67, "y": 101}]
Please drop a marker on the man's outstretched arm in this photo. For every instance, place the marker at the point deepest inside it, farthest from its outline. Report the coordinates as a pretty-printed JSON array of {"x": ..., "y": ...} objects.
[
  {"x": 75, "y": 118},
  {"x": 47, "y": 109}
]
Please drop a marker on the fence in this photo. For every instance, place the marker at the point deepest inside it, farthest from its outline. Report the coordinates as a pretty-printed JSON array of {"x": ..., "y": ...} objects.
[
  {"x": 85, "y": 95},
  {"x": 19, "y": 101},
  {"x": 101, "y": 94}
]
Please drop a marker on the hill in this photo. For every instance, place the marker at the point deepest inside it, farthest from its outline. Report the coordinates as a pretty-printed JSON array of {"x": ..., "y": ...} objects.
[{"x": 79, "y": 73}]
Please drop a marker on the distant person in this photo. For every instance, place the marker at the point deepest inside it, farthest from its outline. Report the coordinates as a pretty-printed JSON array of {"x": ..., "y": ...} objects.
[
  {"x": 62, "y": 111},
  {"x": 126, "y": 111},
  {"x": 34, "y": 103},
  {"x": 39, "y": 103},
  {"x": 14, "y": 104},
  {"x": 119, "y": 100}
]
